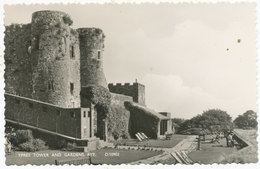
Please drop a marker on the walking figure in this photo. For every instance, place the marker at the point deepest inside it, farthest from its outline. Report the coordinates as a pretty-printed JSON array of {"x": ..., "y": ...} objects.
[{"x": 8, "y": 145}]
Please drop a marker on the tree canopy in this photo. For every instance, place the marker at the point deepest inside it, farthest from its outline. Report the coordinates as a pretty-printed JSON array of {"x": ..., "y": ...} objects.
[
  {"x": 212, "y": 119},
  {"x": 246, "y": 120}
]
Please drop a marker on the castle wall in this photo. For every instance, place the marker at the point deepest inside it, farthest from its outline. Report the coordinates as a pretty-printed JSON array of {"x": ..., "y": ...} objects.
[
  {"x": 91, "y": 57},
  {"x": 45, "y": 116},
  {"x": 139, "y": 95},
  {"x": 56, "y": 60},
  {"x": 18, "y": 70},
  {"x": 136, "y": 90}
]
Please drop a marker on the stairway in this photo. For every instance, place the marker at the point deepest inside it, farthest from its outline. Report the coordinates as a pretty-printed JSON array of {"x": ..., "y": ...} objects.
[{"x": 92, "y": 144}]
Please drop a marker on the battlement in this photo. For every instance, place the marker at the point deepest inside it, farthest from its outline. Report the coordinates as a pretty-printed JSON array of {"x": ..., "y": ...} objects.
[
  {"x": 125, "y": 84},
  {"x": 135, "y": 90}
]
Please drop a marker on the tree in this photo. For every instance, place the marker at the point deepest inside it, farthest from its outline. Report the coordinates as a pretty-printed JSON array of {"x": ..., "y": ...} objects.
[
  {"x": 246, "y": 120},
  {"x": 178, "y": 120},
  {"x": 212, "y": 119}
]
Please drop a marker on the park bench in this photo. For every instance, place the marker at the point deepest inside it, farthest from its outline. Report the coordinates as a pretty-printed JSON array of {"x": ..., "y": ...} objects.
[
  {"x": 74, "y": 161},
  {"x": 141, "y": 136},
  {"x": 181, "y": 157}
]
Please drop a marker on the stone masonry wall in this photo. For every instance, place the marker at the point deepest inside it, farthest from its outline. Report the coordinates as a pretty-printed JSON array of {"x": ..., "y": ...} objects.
[
  {"x": 18, "y": 70},
  {"x": 136, "y": 90},
  {"x": 91, "y": 57},
  {"x": 56, "y": 60},
  {"x": 45, "y": 116}
]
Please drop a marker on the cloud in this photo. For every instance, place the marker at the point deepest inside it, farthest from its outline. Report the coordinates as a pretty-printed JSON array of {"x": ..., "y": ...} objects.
[{"x": 170, "y": 93}]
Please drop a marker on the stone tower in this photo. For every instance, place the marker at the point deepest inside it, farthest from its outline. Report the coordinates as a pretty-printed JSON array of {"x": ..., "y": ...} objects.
[
  {"x": 55, "y": 59},
  {"x": 91, "y": 57}
]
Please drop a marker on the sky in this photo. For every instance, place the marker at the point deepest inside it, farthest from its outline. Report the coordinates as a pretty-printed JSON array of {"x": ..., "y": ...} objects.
[{"x": 190, "y": 57}]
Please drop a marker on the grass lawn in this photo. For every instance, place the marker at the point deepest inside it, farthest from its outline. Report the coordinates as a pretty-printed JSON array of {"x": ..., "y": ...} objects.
[
  {"x": 247, "y": 154},
  {"x": 102, "y": 156},
  {"x": 125, "y": 156},
  {"x": 211, "y": 152},
  {"x": 162, "y": 143}
]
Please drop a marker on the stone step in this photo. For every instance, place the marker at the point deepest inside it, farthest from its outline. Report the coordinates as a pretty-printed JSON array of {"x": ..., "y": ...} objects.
[
  {"x": 103, "y": 143},
  {"x": 81, "y": 149},
  {"x": 93, "y": 144}
]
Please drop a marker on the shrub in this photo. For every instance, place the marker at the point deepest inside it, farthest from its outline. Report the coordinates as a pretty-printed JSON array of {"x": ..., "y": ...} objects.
[
  {"x": 21, "y": 136},
  {"x": 118, "y": 119},
  {"x": 61, "y": 144},
  {"x": 39, "y": 144},
  {"x": 97, "y": 95},
  {"x": 27, "y": 146},
  {"x": 33, "y": 145},
  {"x": 71, "y": 146}
]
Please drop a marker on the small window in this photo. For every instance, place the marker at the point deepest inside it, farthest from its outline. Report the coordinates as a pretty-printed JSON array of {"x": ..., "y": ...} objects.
[
  {"x": 84, "y": 114},
  {"x": 71, "y": 88},
  {"x": 31, "y": 105},
  {"x": 44, "y": 109},
  {"x": 89, "y": 113},
  {"x": 51, "y": 85},
  {"x": 72, "y": 55},
  {"x": 72, "y": 114},
  {"x": 17, "y": 101},
  {"x": 58, "y": 113},
  {"x": 37, "y": 42},
  {"x": 99, "y": 54}
]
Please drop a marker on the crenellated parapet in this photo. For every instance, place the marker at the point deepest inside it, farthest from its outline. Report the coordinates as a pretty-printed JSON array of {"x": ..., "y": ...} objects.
[{"x": 135, "y": 90}]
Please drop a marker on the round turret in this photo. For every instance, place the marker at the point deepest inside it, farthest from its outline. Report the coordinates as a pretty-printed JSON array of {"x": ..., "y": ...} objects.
[
  {"x": 55, "y": 55},
  {"x": 91, "y": 57}
]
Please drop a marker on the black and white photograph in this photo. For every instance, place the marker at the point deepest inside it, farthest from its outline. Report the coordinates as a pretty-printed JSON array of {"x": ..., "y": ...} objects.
[{"x": 165, "y": 83}]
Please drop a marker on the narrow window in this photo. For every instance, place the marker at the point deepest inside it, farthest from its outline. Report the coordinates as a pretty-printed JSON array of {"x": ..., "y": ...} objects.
[
  {"x": 52, "y": 85},
  {"x": 37, "y": 42},
  {"x": 72, "y": 56},
  {"x": 49, "y": 85},
  {"x": 72, "y": 114},
  {"x": 99, "y": 54},
  {"x": 84, "y": 114},
  {"x": 71, "y": 88},
  {"x": 89, "y": 113}
]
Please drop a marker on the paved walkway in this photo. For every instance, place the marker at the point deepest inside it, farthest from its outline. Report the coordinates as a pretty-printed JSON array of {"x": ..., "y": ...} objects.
[{"x": 187, "y": 144}]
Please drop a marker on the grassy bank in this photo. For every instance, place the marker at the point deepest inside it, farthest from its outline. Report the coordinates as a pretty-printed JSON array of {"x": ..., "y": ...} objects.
[{"x": 247, "y": 154}]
